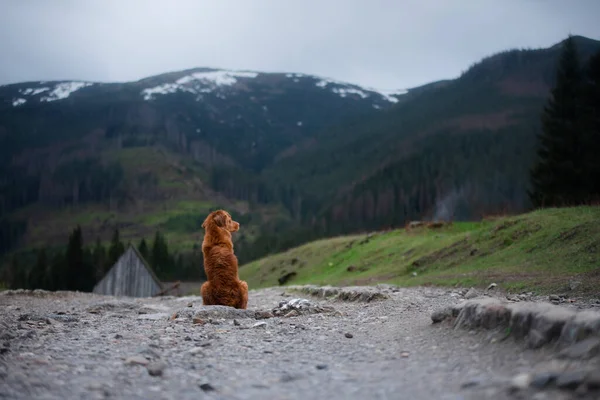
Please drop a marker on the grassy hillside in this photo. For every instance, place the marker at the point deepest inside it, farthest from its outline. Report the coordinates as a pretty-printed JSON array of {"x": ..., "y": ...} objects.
[{"x": 538, "y": 251}]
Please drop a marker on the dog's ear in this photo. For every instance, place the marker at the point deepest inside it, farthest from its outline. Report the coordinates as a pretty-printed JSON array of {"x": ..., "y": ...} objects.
[
  {"x": 220, "y": 219},
  {"x": 210, "y": 218}
]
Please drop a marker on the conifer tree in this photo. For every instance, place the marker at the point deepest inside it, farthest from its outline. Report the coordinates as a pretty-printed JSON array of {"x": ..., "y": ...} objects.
[
  {"x": 37, "y": 277},
  {"x": 116, "y": 249},
  {"x": 160, "y": 255},
  {"x": 143, "y": 249},
  {"x": 556, "y": 178},
  {"x": 592, "y": 125},
  {"x": 99, "y": 260},
  {"x": 74, "y": 258}
]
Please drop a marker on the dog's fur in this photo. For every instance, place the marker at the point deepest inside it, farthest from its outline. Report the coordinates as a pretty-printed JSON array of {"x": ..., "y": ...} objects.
[{"x": 223, "y": 286}]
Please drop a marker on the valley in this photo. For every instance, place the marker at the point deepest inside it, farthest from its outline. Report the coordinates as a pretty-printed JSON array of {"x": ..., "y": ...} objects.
[{"x": 294, "y": 157}]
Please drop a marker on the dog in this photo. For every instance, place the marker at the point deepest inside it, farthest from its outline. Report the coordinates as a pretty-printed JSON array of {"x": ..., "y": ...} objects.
[{"x": 223, "y": 286}]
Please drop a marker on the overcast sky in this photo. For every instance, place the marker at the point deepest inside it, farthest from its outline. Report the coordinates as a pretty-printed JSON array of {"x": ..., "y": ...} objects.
[{"x": 391, "y": 44}]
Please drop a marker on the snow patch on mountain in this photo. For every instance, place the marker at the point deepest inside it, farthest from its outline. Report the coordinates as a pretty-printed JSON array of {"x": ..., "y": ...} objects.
[
  {"x": 60, "y": 91},
  {"x": 33, "y": 92},
  {"x": 344, "y": 89},
  {"x": 198, "y": 82},
  {"x": 64, "y": 89}
]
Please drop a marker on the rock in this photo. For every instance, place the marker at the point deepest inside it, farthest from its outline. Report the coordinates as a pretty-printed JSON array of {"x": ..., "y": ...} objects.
[
  {"x": 207, "y": 387},
  {"x": 261, "y": 324},
  {"x": 585, "y": 349},
  {"x": 440, "y": 315},
  {"x": 593, "y": 380},
  {"x": 573, "y": 285},
  {"x": 236, "y": 322},
  {"x": 520, "y": 382},
  {"x": 300, "y": 307},
  {"x": 404, "y": 354},
  {"x": 491, "y": 286},
  {"x": 541, "y": 380},
  {"x": 471, "y": 294},
  {"x": 348, "y": 335},
  {"x": 195, "y": 350},
  {"x": 321, "y": 366},
  {"x": 554, "y": 297},
  {"x": 487, "y": 312},
  {"x": 198, "y": 321},
  {"x": 570, "y": 379},
  {"x": 136, "y": 360},
  {"x": 582, "y": 325},
  {"x": 156, "y": 368}
]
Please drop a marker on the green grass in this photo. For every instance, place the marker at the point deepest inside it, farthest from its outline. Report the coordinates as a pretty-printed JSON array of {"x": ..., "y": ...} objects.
[{"x": 539, "y": 251}]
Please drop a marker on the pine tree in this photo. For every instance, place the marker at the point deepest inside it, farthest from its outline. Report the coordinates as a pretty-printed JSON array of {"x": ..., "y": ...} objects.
[
  {"x": 18, "y": 274},
  {"x": 116, "y": 249},
  {"x": 99, "y": 260},
  {"x": 143, "y": 249},
  {"x": 37, "y": 276},
  {"x": 57, "y": 272},
  {"x": 87, "y": 274},
  {"x": 556, "y": 178},
  {"x": 592, "y": 126},
  {"x": 74, "y": 258},
  {"x": 160, "y": 255}
]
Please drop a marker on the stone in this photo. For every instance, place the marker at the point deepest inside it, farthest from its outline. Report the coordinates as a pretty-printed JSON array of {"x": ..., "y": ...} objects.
[
  {"x": 195, "y": 350},
  {"x": 573, "y": 285},
  {"x": 300, "y": 306},
  {"x": 136, "y": 360},
  {"x": 584, "y": 349},
  {"x": 321, "y": 366},
  {"x": 542, "y": 380},
  {"x": 471, "y": 294},
  {"x": 206, "y": 387},
  {"x": 520, "y": 381},
  {"x": 593, "y": 380},
  {"x": 441, "y": 315},
  {"x": 156, "y": 368},
  {"x": 570, "y": 379},
  {"x": 261, "y": 324},
  {"x": 554, "y": 297},
  {"x": 491, "y": 286},
  {"x": 582, "y": 325},
  {"x": 348, "y": 335}
]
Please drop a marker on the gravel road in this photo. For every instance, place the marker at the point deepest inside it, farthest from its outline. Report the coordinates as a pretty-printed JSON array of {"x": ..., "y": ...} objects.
[{"x": 82, "y": 346}]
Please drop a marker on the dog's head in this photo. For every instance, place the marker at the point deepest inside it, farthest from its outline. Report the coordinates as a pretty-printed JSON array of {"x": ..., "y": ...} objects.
[{"x": 221, "y": 219}]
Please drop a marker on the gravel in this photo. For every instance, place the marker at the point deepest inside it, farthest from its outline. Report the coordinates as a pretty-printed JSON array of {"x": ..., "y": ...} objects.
[{"x": 337, "y": 343}]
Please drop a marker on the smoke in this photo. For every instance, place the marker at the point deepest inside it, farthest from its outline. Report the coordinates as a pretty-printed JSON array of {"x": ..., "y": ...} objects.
[{"x": 445, "y": 208}]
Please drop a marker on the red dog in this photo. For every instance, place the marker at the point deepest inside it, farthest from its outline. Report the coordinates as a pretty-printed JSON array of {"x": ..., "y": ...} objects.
[{"x": 223, "y": 286}]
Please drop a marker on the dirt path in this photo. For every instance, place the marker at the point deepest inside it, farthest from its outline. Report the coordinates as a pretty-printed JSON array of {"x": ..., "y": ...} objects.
[{"x": 76, "y": 346}]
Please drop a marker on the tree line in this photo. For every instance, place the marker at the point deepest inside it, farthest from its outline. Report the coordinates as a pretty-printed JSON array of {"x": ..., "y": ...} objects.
[{"x": 80, "y": 267}]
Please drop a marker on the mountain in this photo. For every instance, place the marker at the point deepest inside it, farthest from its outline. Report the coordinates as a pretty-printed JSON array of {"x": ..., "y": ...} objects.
[
  {"x": 143, "y": 155},
  {"x": 293, "y": 156}
]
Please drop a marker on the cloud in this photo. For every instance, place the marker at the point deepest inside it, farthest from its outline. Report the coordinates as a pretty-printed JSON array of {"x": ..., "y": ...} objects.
[{"x": 385, "y": 44}]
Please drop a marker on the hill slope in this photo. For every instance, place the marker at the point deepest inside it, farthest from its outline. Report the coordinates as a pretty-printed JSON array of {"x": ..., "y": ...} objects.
[{"x": 539, "y": 251}]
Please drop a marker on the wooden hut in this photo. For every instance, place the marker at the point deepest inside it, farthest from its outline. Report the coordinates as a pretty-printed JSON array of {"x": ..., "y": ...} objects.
[{"x": 130, "y": 276}]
